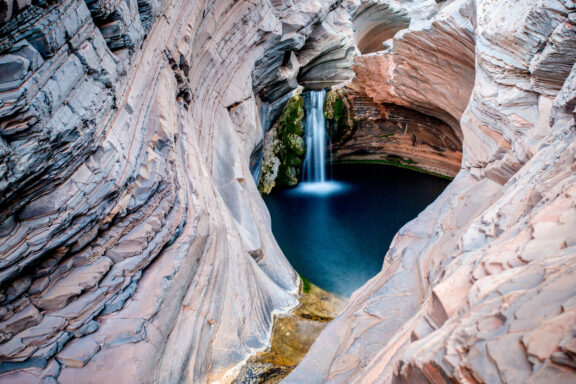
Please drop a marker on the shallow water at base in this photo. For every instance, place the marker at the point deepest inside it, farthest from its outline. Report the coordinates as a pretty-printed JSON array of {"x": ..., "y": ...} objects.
[
  {"x": 337, "y": 235},
  {"x": 292, "y": 337}
]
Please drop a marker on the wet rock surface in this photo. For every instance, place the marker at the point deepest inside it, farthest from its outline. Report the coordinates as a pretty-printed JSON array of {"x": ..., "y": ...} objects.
[{"x": 292, "y": 337}]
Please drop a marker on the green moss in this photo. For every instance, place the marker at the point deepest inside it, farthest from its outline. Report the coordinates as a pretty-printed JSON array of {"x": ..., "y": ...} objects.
[
  {"x": 287, "y": 176},
  {"x": 400, "y": 160},
  {"x": 340, "y": 123},
  {"x": 296, "y": 144},
  {"x": 292, "y": 148},
  {"x": 293, "y": 116},
  {"x": 295, "y": 162},
  {"x": 306, "y": 285}
]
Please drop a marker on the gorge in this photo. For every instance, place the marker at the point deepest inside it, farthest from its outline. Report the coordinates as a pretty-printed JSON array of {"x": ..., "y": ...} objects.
[{"x": 137, "y": 135}]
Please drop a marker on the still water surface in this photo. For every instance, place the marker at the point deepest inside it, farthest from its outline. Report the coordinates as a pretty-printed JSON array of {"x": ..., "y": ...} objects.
[{"x": 336, "y": 236}]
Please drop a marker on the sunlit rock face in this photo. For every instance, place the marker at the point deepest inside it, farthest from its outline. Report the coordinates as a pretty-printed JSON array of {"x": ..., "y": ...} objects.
[
  {"x": 480, "y": 288},
  {"x": 134, "y": 244}
]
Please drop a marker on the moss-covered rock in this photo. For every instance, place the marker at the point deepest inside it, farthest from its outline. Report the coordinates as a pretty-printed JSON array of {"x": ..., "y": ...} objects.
[
  {"x": 285, "y": 151},
  {"x": 296, "y": 144},
  {"x": 288, "y": 176},
  {"x": 339, "y": 119},
  {"x": 292, "y": 118},
  {"x": 270, "y": 162},
  {"x": 291, "y": 137}
]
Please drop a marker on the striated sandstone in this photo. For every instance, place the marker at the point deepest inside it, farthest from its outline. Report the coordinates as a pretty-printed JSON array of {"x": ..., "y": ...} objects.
[
  {"x": 429, "y": 68},
  {"x": 134, "y": 243},
  {"x": 391, "y": 133},
  {"x": 480, "y": 287}
]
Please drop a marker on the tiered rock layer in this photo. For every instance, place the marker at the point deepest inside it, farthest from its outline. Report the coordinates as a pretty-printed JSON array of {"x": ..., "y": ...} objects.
[
  {"x": 390, "y": 133},
  {"x": 134, "y": 245},
  {"x": 481, "y": 287}
]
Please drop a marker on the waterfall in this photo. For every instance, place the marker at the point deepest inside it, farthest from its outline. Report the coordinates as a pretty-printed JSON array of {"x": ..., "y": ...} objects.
[
  {"x": 315, "y": 160},
  {"x": 315, "y": 179}
]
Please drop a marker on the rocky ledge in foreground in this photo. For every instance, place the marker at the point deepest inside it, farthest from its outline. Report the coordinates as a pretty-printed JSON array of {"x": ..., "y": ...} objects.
[{"x": 134, "y": 243}]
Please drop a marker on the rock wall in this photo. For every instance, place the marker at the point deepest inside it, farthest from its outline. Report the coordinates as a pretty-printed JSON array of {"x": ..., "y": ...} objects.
[
  {"x": 480, "y": 288},
  {"x": 429, "y": 68},
  {"x": 133, "y": 242},
  {"x": 389, "y": 133},
  {"x": 387, "y": 121}
]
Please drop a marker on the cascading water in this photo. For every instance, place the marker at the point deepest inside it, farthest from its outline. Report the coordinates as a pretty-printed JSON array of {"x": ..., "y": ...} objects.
[
  {"x": 314, "y": 177},
  {"x": 315, "y": 161}
]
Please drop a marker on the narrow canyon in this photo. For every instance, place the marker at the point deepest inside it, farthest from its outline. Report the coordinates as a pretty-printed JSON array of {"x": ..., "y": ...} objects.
[{"x": 138, "y": 138}]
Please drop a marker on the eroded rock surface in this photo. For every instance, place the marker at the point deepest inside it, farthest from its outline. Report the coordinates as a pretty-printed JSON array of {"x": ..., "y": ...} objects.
[
  {"x": 134, "y": 244},
  {"x": 480, "y": 287},
  {"x": 368, "y": 131}
]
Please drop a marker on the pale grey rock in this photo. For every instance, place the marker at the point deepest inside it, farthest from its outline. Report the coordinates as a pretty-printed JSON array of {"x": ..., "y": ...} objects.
[
  {"x": 109, "y": 207},
  {"x": 375, "y": 22},
  {"x": 327, "y": 56},
  {"x": 121, "y": 28},
  {"x": 314, "y": 47}
]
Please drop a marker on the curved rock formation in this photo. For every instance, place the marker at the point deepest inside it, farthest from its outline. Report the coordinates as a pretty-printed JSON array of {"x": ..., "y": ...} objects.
[
  {"x": 405, "y": 94},
  {"x": 480, "y": 288},
  {"x": 134, "y": 243},
  {"x": 377, "y": 22},
  {"x": 389, "y": 133}
]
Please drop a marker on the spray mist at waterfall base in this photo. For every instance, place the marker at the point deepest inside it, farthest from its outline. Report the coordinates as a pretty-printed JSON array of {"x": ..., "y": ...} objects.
[{"x": 320, "y": 189}]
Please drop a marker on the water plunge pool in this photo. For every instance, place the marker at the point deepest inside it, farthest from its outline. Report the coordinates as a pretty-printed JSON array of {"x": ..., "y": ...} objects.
[{"x": 337, "y": 236}]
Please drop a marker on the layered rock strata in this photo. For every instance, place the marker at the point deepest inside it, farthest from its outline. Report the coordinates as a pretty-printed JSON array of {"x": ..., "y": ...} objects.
[
  {"x": 399, "y": 111},
  {"x": 134, "y": 244},
  {"x": 389, "y": 133},
  {"x": 376, "y": 22},
  {"x": 429, "y": 68},
  {"x": 480, "y": 288}
]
